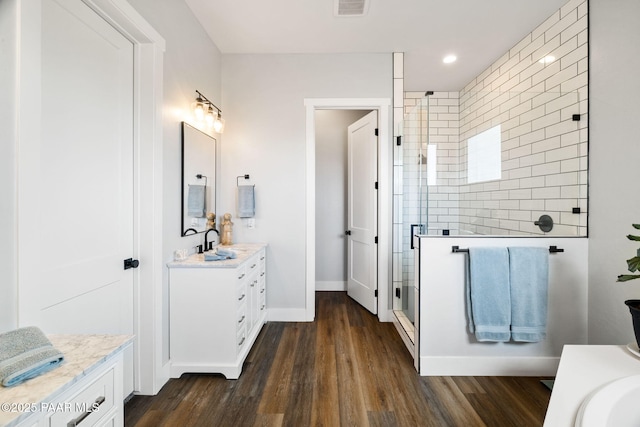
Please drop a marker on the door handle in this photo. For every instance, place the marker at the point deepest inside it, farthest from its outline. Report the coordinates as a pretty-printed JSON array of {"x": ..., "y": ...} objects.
[
  {"x": 131, "y": 263},
  {"x": 413, "y": 227},
  {"x": 348, "y": 232}
]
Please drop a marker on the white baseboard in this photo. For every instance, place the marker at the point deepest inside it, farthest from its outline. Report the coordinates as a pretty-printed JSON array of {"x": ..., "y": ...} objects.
[
  {"x": 444, "y": 366},
  {"x": 331, "y": 286}
]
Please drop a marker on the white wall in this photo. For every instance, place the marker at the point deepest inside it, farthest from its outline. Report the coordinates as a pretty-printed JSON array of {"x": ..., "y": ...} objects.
[
  {"x": 8, "y": 220},
  {"x": 331, "y": 196},
  {"x": 191, "y": 61},
  {"x": 614, "y": 152},
  {"x": 446, "y": 346},
  {"x": 263, "y": 103}
]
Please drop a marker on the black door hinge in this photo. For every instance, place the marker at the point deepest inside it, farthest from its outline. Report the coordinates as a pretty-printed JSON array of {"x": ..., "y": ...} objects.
[
  {"x": 375, "y": 293},
  {"x": 376, "y": 240},
  {"x": 375, "y": 185},
  {"x": 398, "y": 140},
  {"x": 376, "y": 132}
]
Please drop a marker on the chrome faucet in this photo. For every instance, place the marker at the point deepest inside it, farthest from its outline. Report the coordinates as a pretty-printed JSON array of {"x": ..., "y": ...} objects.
[{"x": 206, "y": 240}]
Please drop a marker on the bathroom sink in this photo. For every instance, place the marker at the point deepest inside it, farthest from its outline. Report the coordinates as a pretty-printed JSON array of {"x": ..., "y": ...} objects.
[{"x": 614, "y": 404}]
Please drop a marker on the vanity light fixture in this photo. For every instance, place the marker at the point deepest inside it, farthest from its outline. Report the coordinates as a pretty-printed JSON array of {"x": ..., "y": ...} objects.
[{"x": 204, "y": 109}]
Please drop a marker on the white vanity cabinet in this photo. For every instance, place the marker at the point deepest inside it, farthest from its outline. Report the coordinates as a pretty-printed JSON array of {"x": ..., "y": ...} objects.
[
  {"x": 85, "y": 390},
  {"x": 217, "y": 309}
]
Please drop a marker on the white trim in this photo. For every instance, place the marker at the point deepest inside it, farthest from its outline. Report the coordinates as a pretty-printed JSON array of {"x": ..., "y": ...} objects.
[
  {"x": 339, "y": 285},
  {"x": 382, "y": 105},
  {"x": 405, "y": 337},
  {"x": 150, "y": 374},
  {"x": 448, "y": 366}
]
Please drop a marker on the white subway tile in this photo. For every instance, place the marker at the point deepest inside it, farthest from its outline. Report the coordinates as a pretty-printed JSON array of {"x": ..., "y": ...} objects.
[
  {"x": 571, "y": 165},
  {"x": 568, "y": 152},
  {"x": 546, "y": 121},
  {"x": 523, "y": 193},
  {"x": 520, "y": 172},
  {"x": 532, "y": 182},
  {"x": 532, "y": 205},
  {"x": 546, "y": 71},
  {"x": 569, "y": 178},
  {"x": 560, "y": 128},
  {"x": 545, "y": 193}
]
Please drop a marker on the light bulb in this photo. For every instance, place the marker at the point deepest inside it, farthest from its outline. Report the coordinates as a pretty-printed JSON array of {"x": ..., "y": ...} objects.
[
  {"x": 218, "y": 125},
  {"x": 211, "y": 116},
  {"x": 198, "y": 110}
]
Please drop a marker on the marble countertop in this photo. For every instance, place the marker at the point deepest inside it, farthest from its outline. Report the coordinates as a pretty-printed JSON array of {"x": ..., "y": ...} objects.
[
  {"x": 582, "y": 370},
  {"x": 82, "y": 354},
  {"x": 244, "y": 251}
]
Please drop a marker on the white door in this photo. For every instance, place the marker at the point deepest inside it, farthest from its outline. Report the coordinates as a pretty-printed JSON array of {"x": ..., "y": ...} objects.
[
  {"x": 76, "y": 177},
  {"x": 362, "y": 207}
]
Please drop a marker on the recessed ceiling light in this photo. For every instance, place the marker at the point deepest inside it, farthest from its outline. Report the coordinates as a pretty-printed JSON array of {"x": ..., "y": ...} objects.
[
  {"x": 449, "y": 59},
  {"x": 547, "y": 59}
]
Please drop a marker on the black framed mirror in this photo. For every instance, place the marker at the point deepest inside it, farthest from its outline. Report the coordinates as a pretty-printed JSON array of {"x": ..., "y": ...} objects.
[{"x": 198, "y": 179}]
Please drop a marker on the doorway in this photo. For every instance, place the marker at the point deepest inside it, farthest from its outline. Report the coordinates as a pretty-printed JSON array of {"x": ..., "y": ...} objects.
[
  {"x": 331, "y": 197},
  {"x": 382, "y": 106}
]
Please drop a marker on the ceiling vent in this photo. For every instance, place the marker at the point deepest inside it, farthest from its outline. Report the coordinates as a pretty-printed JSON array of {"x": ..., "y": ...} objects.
[{"x": 350, "y": 7}]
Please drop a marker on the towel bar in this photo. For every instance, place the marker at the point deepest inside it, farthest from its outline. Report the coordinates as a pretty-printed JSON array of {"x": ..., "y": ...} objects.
[{"x": 552, "y": 249}]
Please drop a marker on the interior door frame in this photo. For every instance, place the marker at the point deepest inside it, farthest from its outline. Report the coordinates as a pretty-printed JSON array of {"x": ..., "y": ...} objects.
[
  {"x": 385, "y": 208},
  {"x": 149, "y": 47}
]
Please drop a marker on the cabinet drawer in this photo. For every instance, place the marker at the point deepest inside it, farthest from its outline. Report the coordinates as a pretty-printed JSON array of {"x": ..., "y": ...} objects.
[
  {"x": 241, "y": 338},
  {"x": 87, "y": 407},
  {"x": 241, "y": 273},
  {"x": 241, "y": 293},
  {"x": 262, "y": 303},
  {"x": 252, "y": 265}
]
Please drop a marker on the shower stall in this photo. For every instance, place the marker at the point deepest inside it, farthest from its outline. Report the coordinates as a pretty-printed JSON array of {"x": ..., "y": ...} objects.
[{"x": 484, "y": 164}]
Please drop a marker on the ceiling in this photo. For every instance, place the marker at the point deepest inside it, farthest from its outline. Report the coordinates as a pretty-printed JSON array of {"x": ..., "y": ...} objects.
[{"x": 477, "y": 31}]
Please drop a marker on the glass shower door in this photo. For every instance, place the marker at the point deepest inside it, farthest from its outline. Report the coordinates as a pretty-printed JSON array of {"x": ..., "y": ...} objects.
[{"x": 410, "y": 212}]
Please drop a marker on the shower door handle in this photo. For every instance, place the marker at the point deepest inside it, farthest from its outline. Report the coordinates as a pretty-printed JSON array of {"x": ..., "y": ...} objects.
[{"x": 413, "y": 227}]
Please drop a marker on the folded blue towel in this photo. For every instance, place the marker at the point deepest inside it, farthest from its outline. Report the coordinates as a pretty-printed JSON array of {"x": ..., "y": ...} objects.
[
  {"x": 488, "y": 300},
  {"x": 529, "y": 277},
  {"x": 26, "y": 353},
  {"x": 220, "y": 255},
  {"x": 246, "y": 201},
  {"x": 196, "y": 201},
  {"x": 226, "y": 252}
]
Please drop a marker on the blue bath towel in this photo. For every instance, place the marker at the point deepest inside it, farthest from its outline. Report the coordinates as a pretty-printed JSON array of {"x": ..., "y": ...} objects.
[
  {"x": 26, "y": 353},
  {"x": 220, "y": 255},
  {"x": 529, "y": 277},
  {"x": 196, "y": 201},
  {"x": 488, "y": 301},
  {"x": 246, "y": 201}
]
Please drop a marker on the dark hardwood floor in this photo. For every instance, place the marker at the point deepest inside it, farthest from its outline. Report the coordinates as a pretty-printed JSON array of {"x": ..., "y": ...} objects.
[{"x": 344, "y": 369}]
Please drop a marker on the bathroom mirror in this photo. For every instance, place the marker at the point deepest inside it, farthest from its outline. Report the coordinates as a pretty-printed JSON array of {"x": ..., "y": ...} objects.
[{"x": 198, "y": 179}]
